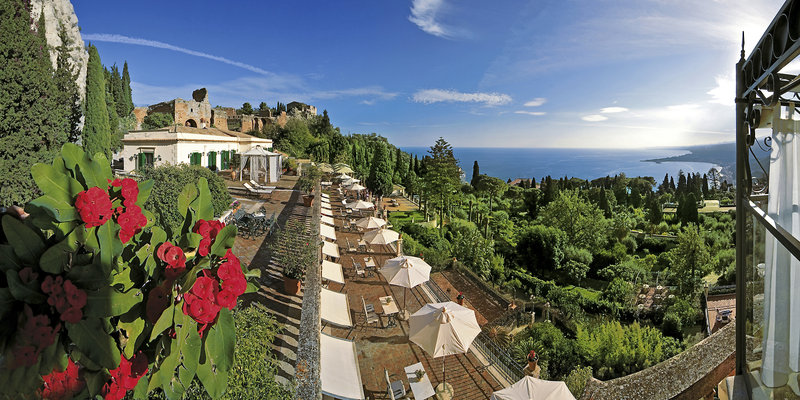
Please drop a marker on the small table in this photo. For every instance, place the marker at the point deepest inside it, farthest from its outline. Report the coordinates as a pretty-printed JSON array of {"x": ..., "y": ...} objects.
[
  {"x": 421, "y": 388},
  {"x": 389, "y": 306},
  {"x": 369, "y": 264}
]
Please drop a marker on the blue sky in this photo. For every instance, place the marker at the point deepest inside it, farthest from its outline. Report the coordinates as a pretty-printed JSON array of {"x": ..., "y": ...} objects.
[{"x": 508, "y": 73}]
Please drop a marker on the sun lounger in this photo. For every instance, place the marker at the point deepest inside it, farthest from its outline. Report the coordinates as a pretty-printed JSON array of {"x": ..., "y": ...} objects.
[
  {"x": 350, "y": 247},
  {"x": 359, "y": 269},
  {"x": 257, "y": 192},
  {"x": 370, "y": 316}
]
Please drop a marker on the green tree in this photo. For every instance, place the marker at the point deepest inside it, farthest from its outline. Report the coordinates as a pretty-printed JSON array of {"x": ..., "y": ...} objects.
[
  {"x": 247, "y": 109},
  {"x": 113, "y": 89},
  {"x": 654, "y": 212},
  {"x": 126, "y": 87},
  {"x": 441, "y": 178},
  {"x": 576, "y": 380},
  {"x": 157, "y": 120},
  {"x": 96, "y": 130},
  {"x": 618, "y": 291},
  {"x": 581, "y": 220},
  {"x": 541, "y": 248},
  {"x": 476, "y": 173},
  {"x": 379, "y": 180},
  {"x": 263, "y": 106},
  {"x": 32, "y": 124},
  {"x": 67, "y": 93},
  {"x": 688, "y": 258}
]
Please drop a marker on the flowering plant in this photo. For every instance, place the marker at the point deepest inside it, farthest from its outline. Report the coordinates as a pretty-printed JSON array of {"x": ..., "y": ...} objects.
[
  {"x": 100, "y": 302},
  {"x": 532, "y": 356},
  {"x": 460, "y": 296}
]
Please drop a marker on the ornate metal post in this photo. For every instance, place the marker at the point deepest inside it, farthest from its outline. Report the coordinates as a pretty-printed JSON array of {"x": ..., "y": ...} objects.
[{"x": 741, "y": 196}]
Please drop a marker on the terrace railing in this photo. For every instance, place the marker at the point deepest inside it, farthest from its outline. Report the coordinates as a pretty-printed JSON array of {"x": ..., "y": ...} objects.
[{"x": 498, "y": 357}]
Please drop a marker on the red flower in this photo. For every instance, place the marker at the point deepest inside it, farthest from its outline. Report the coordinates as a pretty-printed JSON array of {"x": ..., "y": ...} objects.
[
  {"x": 227, "y": 299},
  {"x": 175, "y": 259},
  {"x": 205, "y": 287},
  {"x": 216, "y": 226},
  {"x": 25, "y": 356},
  {"x": 72, "y": 315},
  {"x": 157, "y": 302},
  {"x": 94, "y": 206},
  {"x": 237, "y": 285},
  {"x": 63, "y": 385},
  {"x": 125, "y": 377},
  {"x": 116, "y": 182},
  {"x": 204, "y": 247},
  {"x": 65, "y": 297},
  {"x": 202, "y": 227},
  {"x": 130, "y": 222},
  {"x": 202, "y": 310},
  {"x": 130, "y": 189},
  {"x": 230, "y": 270},
  {"x": 75, "y": 296}
]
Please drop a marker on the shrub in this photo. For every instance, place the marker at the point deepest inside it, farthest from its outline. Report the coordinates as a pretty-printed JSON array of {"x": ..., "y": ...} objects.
[
  {"x": 618, "y": 291},
  {"x": 551, "y": 345},
  {"x": 169, "y": 180},
  {"x": 576, "y": 380},
  {"x": 157, "y": 120}
]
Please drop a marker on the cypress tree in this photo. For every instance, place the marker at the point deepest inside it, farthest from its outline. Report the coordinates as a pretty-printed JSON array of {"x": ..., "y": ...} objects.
[
  {"x": 111, "y": 106},
  {"x": 96, "y": 130},
  {"x": 476, "y": 173},
  {"x": 379, "y": 180},
  {"x": 126, "y": 87},
  {"x": 31, "y": 122},
  {"x": 67, "y": 95},
  {"x": 533, "y": 182},
  {"x": 705, "y": 186},
  {"x": 117, "y": 88}
]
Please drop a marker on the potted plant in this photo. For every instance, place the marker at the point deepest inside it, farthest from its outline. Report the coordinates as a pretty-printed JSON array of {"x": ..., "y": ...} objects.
[
  {"x": 419, "y": 374},
  {"x": 294, "y": 249},
  {"x": 311, "y": 176},
  {"x": 460, "y": 298}
]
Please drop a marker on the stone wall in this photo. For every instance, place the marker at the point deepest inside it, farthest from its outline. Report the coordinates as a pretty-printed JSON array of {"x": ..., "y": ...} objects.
[
  {"x": 690, "y": 375},
  {"x": 219, "y": 119},
  {"x": 139, "y": 113},
  {"x": 282, "y": 119}
]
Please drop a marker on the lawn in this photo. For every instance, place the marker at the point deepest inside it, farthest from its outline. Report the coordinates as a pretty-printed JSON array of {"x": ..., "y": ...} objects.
[
  {"x": 588, "y": 293},
  {"x": 400, "y": 217}
]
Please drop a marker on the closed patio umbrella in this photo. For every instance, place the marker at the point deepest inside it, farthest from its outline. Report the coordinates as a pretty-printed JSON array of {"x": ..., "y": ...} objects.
[
  {"x": 442, "y": 329},
  {"x": 343, "y": 177},
  {"x": 370, "y": 223},
  {"x": 356, "y": 187},
  {"x": 408, "y": 272},
  {"x": 342, "y": 168},
  {"x": 531, "y": 388}
]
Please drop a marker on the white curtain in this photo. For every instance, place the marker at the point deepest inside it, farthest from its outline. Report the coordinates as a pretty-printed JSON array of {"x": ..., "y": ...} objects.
[{"x": 781, "y": 345}]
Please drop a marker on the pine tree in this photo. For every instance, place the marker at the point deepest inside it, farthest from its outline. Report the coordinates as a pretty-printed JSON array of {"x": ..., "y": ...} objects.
[
  {"x": 476, "y": 174},
  {"x": 247, "y": 109},
  {"x": 32, "y": 124},
  {"x": 379, "y": 180},
  {"x": 96, "y": 130},
  {"x": 126, "y": 87},
  {"x": 67, "y": 94}
]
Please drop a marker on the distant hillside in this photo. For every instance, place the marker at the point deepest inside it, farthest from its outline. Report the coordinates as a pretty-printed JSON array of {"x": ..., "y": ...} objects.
[{"x": 722, "y": 154}]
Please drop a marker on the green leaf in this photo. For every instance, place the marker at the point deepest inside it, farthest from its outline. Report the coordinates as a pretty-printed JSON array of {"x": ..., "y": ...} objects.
[
  {"x": 202, "y": 204},
  {"x": 134, "y": 330},
  {"x": 50, "y": 358},
  {"x": 140, "y": 391},
  {"x": 186, "y": 197},
  {"x": 90, "y": 337},
  {"x": 158, "y": 236},
  {"x": 164, "y": 321},
  {"x": 58, "y": 209},
  {"x": 123, "y": 279},
  {"x": 144, "y": 192},
  {"x": 189, "y": 344},
  {"x": 224, "y": 240},
  {"x": 190, "y": 240},
  {"x": 191, "y": 277},
  {"x": 6, "y": 302},
  {"x": 95, "y": 381},
  {"x": 172, "y": 387},
  {"x": 58, "y": 185},
  {"x": 221, "y": 341},
  {"x": 28, "y": 246},
  {"x": 90, "y": 275},
  {"x": 110, "y": 246},
  {"x": 59, "y": 256},
  {"x": 109, "y": 302},
  {"x": 214, "y": 381},
  {"x": 95, "y": 171},
  {"x": 28, "y": 293},
  {"x": 72, "y": 154},
  {"x": 8, "y": 260}
]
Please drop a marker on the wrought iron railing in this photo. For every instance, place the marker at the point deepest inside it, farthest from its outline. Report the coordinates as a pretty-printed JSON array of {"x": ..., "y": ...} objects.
[{"x": 498, "y": 357}]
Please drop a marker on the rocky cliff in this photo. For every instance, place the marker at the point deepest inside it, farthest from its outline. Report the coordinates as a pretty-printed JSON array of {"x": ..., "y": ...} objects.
[{"x": 60, "y": 12}]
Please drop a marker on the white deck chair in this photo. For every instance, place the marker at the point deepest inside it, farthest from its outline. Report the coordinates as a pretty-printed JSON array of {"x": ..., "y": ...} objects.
[
  {"x": 359, "y": 269},
  {"x": 257, "y": 191},
  {"x": 370, "y": 316},
  {"x": 395, "y": 390}
]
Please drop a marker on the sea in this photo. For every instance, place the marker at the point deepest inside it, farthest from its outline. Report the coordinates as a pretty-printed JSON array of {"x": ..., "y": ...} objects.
[{"x": 512, "y": 163}]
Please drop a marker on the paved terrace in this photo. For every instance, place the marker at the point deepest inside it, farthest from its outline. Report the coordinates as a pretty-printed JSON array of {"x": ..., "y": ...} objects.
[
  {"x": 381, "y": 347},
  {"x": 285, "y": 203}
]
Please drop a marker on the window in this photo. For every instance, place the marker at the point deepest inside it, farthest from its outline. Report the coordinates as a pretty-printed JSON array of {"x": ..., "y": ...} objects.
[
  {"x": 195, "y": 159},
  {"x": 212, "y": 159},
  {"x": 144, "y": 160},
  {"x": 225, "y": 157}
]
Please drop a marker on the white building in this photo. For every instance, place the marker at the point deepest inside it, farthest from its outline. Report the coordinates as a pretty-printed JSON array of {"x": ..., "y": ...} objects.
[{"x": 209, "y": 147}]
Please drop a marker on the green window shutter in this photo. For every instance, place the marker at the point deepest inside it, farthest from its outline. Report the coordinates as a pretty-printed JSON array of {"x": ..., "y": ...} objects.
[
  {"x": 224, "y": 159},
  {"x": 141, "y": 161}
]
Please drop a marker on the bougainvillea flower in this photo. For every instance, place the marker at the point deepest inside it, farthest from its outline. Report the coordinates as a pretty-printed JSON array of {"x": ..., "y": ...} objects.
[
  {"x": 204, "y": 247},
  {"x": 227, "y": 299},
  {"x": 204, "y": 311},
  {"x": 175, "y": 259},
  {"x": 63, "y": 385},
  {"x": 130, "y": 189},
  {"x": 76, "y": 297},
  {"x": 125, "y": 377},
  {"x": 94, "y": 206},
  {"x": 236, "y": 285}
]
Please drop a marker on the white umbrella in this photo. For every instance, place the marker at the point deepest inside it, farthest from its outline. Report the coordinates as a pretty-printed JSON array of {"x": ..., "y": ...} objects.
[
  {"x": 360, "y": 205},
  {"x": 370, "y": 223},
  {"x": 406, "y": 271},
  {"x": 343, "y": 168},
  {"x": 531, "y": 388},
  {"x": 381, "y": 236},
  {"x": 356, "y": 187},
  {"x": 442, "y": 329},
  {"x": 343, "y": 177}
]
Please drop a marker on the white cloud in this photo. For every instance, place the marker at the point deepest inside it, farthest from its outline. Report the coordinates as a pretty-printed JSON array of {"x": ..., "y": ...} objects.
[
  {"x": 537, "y": 113},
  {"x": 423, "y": 14},
  {"x": 612, "y": 110},
  {"x": 536, "y": 102},
  {"x": 725, "y": 90},
  {"x": 430, "y": 96},
  {"x": 594, "y": 118},
  {"x": 114, "y": 38}
]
